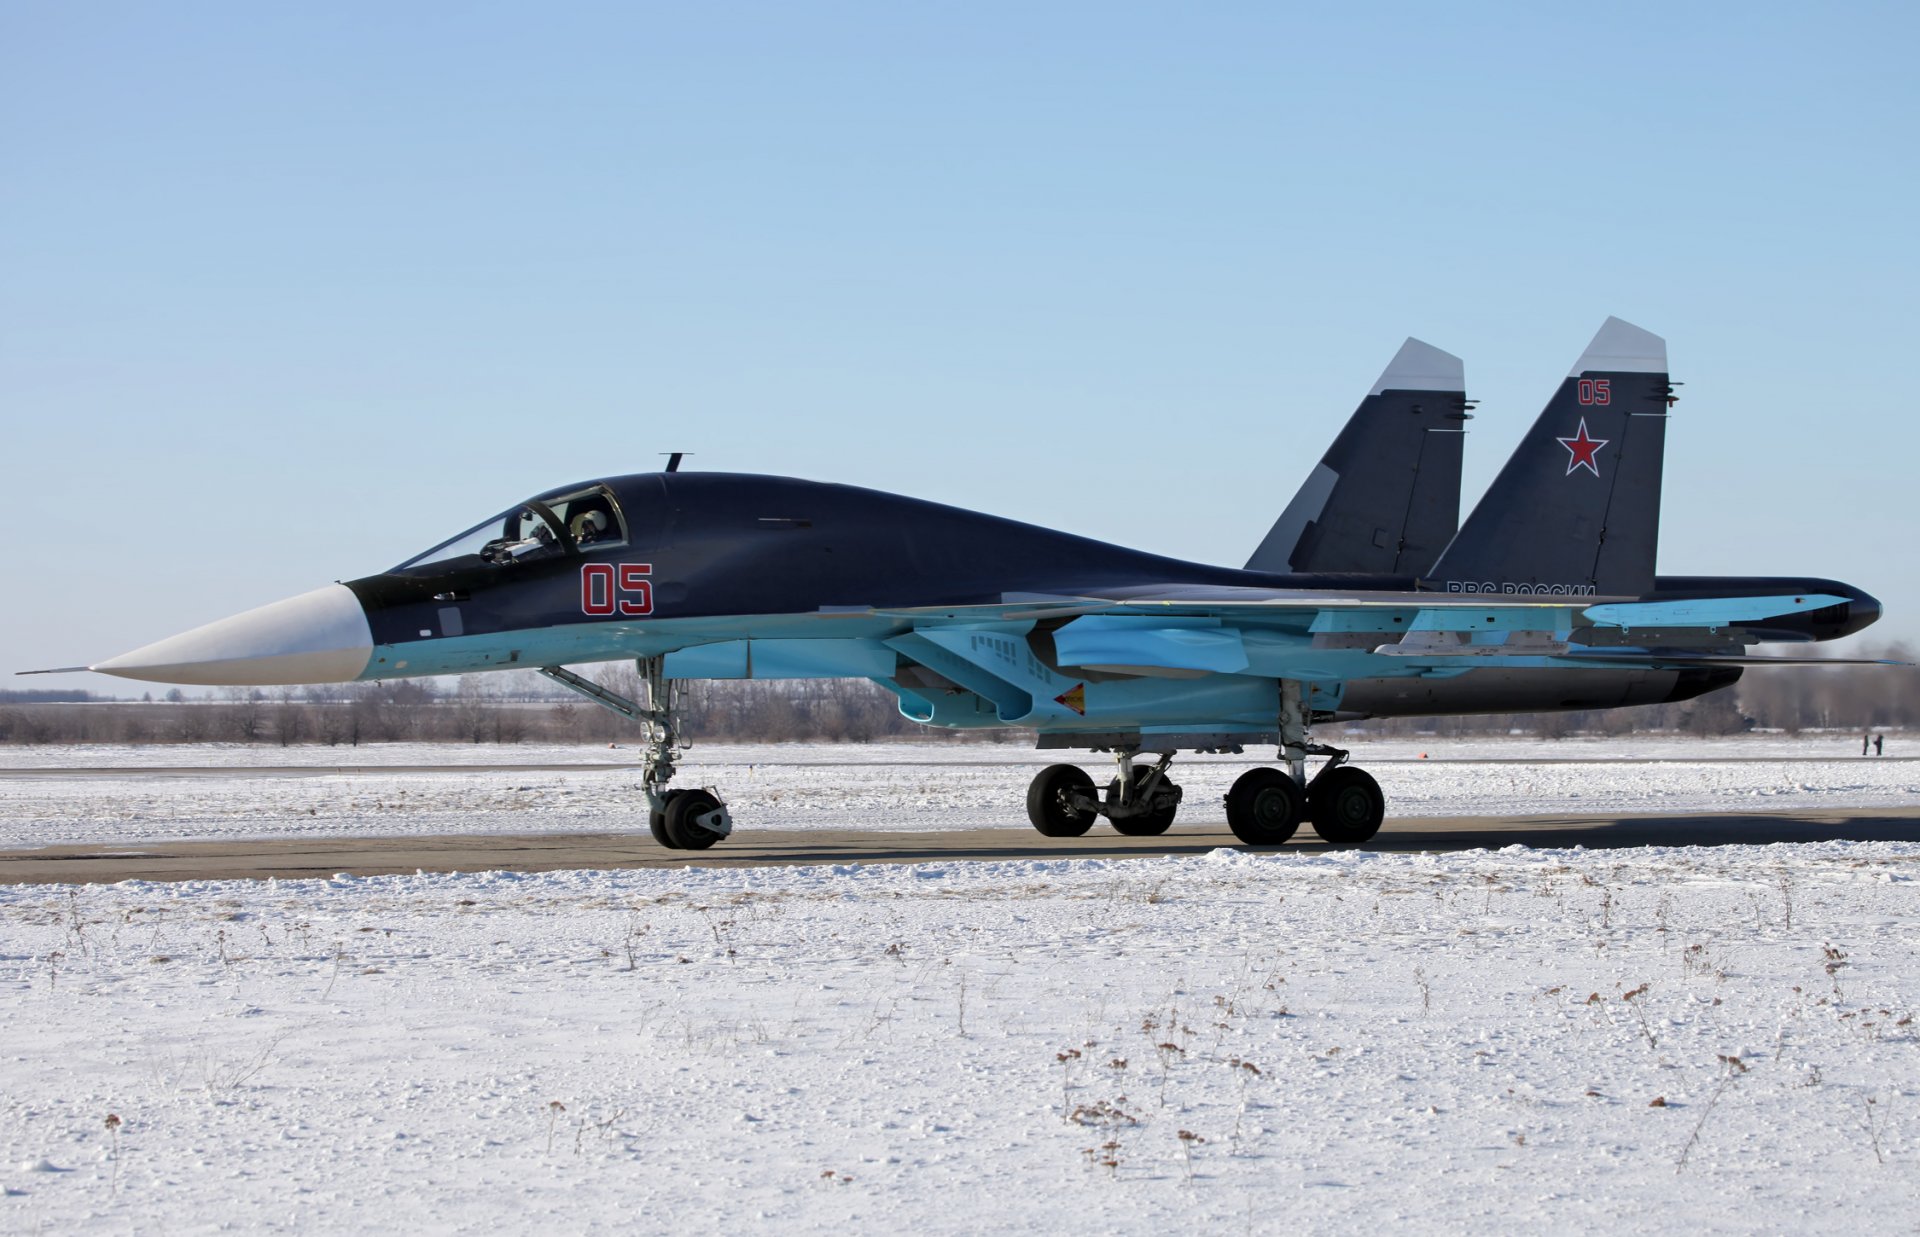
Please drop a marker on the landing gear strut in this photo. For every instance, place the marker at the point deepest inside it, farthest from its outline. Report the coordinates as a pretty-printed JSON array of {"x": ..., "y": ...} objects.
[
  {"x": 1140, "y": 801},
  {"x": 678, "y": 819},
  {"x": 1266, "y": 806}
]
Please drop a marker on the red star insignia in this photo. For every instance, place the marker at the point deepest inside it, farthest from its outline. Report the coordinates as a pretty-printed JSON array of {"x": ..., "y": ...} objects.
[{"x": 1581, "y": 450}]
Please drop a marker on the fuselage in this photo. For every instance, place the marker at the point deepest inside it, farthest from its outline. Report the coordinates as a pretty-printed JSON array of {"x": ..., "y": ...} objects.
[{"x": 818, "y": 576}]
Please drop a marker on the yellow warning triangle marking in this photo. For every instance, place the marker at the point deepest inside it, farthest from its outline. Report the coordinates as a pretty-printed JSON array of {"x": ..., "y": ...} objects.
[{"x": 1074, "y": 698}]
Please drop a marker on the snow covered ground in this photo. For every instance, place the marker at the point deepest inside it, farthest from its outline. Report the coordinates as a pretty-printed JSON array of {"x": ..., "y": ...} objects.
[
  {"x": 1720, "y": 1039},
  {"x": 53, "y": 795}
]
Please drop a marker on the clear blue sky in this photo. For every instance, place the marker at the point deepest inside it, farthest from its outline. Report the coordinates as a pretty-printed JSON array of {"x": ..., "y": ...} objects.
[{"x": 288, "y": 293}]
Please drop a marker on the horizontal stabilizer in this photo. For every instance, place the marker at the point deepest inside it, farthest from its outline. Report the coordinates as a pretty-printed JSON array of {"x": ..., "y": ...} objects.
[
  {"x": 1656, "y": 657},
  {"x": 1711, "y": 612}
]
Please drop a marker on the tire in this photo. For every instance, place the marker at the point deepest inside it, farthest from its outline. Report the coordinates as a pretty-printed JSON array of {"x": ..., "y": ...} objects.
[
  {"x": 1346, "y": 806},
  {"x": 1048, "y": 804},
  {"x": 657, "y": 822},
  {"x": 681, "y": 827},
  {"x": 1264, "y": 807},
  {"x": 1149, "y": 825}
]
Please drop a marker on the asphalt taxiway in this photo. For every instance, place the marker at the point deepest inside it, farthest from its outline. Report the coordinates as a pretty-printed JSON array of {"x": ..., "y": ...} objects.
[{"x": 320, "y": 857}]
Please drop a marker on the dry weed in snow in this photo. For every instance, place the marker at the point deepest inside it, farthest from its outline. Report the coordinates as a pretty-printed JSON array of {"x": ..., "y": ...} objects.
[{"x": 1587, "y": 1040}]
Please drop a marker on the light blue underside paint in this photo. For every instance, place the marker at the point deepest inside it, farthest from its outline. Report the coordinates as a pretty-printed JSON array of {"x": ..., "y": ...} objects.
[
  {"x": 1200, "y": 645},
  {"x": 1707, "y": 612},
  {"x": 1329, "y": 622},
  {"x": 1280, "y": 657},
  {"x": 575, "y": 644},
  {"x": 1543, "y": 618},
  {"x": 1233, "y": 668},
  {"x": 784, "y": 659},
  {"x": 994, "y": 662}
]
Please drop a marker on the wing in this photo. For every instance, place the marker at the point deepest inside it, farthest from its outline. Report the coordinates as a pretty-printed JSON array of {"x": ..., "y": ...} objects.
[{"x": 1175, "y": 631}]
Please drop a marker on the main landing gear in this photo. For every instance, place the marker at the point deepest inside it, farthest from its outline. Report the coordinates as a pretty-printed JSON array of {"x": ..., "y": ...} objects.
[
  {"x": 1140, "y": 801},
  {"x": 1265, "y": 807},
  {"x": 1344, "y": 804},
  {"x": 678, "y": 819}
]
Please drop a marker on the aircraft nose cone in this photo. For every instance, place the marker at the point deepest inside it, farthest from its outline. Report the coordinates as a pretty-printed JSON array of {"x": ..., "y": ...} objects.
[{"x": 317, "y": 637}]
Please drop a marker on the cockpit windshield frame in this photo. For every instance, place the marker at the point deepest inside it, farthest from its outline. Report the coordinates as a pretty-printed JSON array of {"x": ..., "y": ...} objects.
[{"x": 564, "y": 523}]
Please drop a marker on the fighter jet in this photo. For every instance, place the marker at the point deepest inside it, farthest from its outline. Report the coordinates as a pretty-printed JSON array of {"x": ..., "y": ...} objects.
[{"x": 1363, "y": 601}]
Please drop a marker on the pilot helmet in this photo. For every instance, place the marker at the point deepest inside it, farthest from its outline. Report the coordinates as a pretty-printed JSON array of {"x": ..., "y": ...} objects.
[{"x": 589, "y": 524}]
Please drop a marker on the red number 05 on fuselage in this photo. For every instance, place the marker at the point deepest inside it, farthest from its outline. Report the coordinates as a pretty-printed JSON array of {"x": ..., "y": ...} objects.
[{"x": 608, "y": 588}]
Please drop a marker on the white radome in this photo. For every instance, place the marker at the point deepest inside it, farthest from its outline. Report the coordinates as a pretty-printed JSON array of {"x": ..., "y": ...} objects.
[{"x": 317, "y": 637}]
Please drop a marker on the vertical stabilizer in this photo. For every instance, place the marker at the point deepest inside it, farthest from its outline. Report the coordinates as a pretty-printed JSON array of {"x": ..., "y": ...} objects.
[
  {"x": 1385, "y": 499},
  {"x": 1576, "y": 509}
]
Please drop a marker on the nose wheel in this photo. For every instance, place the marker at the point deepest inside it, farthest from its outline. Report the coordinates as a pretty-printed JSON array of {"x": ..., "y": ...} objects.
[{"x": 691, "y": 820}]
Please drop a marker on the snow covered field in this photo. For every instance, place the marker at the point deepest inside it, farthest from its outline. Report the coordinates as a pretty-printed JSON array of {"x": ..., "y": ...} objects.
[
  {"x": 120, "y": 794},
  {"x": 1523, "y": 1040}
]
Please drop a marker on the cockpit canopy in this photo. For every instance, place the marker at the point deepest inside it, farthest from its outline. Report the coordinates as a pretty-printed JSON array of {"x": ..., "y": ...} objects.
[{"x": 584, "y": 519}]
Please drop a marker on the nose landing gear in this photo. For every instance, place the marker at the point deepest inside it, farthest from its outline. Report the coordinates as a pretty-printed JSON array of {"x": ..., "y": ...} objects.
[
  {"x": 678, "y": 819},
  {"x": 688, "y": 819}
]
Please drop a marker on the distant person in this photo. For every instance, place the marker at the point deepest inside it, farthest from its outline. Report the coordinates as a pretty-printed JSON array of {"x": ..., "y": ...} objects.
[
  {"x": 1879, "y": 745},
  {"x": 1865, "y": 741}
]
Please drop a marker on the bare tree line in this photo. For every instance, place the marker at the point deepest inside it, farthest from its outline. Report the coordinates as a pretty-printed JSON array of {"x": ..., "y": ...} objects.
[
  {"x": 478, "y": 709},
  {"x": 517, "y": 708}
]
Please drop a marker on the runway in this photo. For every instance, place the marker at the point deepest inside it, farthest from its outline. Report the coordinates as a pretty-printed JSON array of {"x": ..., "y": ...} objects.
[
  {"x": 222, "y": 771},
  {"x": 321, "y": 857}
]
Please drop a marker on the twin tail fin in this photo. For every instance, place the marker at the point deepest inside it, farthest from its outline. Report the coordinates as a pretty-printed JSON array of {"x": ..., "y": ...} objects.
[
  {"x": 1385, "y": 499},
  {"x": 1576, "y": 509}
]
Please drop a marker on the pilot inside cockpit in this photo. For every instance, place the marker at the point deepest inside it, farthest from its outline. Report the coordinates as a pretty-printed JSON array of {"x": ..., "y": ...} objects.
[
  {"x": 537, "y": 529},
  {"x": 589, "y": 527}
]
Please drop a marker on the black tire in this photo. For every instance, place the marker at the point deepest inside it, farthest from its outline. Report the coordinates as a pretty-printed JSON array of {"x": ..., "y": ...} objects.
[
  {"x": 1346, "y": 806},
  {"x": 1149, "y": 825},
  {"x": 681, "y": 827},
  {"x": 1264, "y": 807},
  {"x": 1049, "y": 806},
  {"x": 657, "y": 821}
]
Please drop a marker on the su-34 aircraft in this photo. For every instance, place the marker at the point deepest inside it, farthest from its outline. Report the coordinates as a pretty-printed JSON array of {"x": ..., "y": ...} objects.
[{"x": 1368, "y": 598}]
